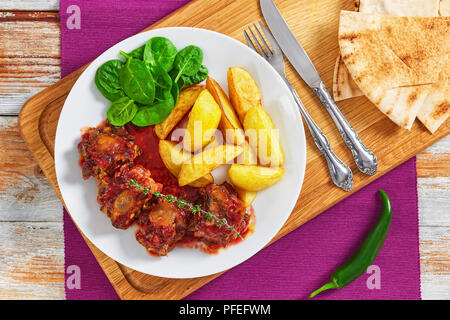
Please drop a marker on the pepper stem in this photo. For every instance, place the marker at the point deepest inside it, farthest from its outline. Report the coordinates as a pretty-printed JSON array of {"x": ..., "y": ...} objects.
[{"x": 329, "y": 285}]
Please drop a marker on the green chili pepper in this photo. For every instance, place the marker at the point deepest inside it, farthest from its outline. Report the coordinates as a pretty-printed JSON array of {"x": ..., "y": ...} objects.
[{"x": 366, "y": 254}]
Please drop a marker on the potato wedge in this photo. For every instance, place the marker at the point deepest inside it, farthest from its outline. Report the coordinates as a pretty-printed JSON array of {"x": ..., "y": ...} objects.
[
  {"x": 254, "y": 178},
  {"x": 248, "y": 156},
  {"x": 173, "y": 156},
  {"x": 244, "y": 92},
  {"x": 185, "y": 102},
  {"x": 203, "y": 181},
  {"x": 229, "y": 124},
  {"x": 203, "y": 122},
  {"x": 247, "y": 197},
  {"x": 263, "y": 137},
  {"x": 205, "y": 162}
]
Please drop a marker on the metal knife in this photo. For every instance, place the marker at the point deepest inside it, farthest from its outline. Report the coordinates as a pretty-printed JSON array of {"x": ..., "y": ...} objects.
[{"x": 365, "y": 159}]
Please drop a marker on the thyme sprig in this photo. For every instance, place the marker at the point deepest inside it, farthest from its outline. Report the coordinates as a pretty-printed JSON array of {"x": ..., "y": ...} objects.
[{"x": 195, "y": 209}]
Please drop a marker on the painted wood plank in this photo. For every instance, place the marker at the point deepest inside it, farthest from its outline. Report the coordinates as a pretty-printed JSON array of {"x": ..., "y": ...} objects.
[
  {"x": 38, "y": 5},
  {"x": 29, "y": 56},
  {"x": 433, "y": 184},
  {"x": 25, "y": 193},
  {"x": 435, "y": 262},
  {"x": 31, "y": 260}
]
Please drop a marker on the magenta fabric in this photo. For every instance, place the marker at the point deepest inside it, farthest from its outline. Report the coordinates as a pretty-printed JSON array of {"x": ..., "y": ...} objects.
[{"x": 295, "y": 265}]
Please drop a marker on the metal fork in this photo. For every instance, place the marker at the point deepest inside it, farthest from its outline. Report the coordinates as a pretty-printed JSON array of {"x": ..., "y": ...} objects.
[{"x": 340, "y": 173}]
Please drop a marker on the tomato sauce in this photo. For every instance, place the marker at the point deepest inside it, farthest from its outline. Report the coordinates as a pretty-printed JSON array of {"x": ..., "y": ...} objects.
[{"x": 148, "y": 141}]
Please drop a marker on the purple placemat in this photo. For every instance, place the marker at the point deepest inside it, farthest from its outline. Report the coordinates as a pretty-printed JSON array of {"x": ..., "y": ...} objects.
[{"x": 290, "y": 268}]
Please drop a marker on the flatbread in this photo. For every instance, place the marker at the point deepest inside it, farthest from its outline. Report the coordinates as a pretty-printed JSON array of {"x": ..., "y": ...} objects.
[
  {"x": 402, "y": 104},
  {"x": 436, "y": 107},
  {"x": 444, "y": 8},
  {"x": 343, "y": 85},
  {"x": 401, "y": 8},
  {"x": 384, "y": 53}
]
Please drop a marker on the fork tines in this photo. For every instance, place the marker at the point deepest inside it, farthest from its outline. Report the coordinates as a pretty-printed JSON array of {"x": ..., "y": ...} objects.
[{"x": 267, "y": 52}]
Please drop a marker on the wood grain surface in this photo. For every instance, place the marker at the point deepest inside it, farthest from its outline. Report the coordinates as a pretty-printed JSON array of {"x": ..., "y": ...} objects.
[{"x": 30, "y": 212}]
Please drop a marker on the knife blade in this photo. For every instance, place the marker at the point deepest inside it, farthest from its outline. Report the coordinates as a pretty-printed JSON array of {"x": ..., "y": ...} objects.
[{"x": 289, "y": 44}]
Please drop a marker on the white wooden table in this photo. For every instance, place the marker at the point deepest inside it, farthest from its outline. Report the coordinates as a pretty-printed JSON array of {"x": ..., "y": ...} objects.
[{"x": 31, "y": 229}]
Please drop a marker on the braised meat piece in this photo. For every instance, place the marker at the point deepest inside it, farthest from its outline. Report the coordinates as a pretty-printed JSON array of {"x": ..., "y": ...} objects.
[
  {"x": 121, "y": 201},
  {"x": 223, "y": 203},
  {"x": 161, "y": 226},
  {"x": 104, "y": 149}
]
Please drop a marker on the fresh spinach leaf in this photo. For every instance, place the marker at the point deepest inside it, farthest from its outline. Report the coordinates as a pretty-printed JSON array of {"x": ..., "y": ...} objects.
[
  {"x": 162, "y": 94},
  {"x": 137, "y": 81},
  {"x": 107, "y": 80},
  {"x": 173, "y": 75},
  {"x": 122, "y": 111},
  {"x": 154, "y": 114},
  {"x": 188, "y": 61},
  {"x": 137, "y": 53},
  {"x": 200, "y": 76},
  {"x": 175, "y": 92},
  {"x": 161, "y": 77},
  {"x": 160, "y": 51}
]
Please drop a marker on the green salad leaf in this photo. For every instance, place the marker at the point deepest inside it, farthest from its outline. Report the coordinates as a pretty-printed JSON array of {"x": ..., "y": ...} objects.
[
  {"x": 154, "y": 114},
  {"x": 122, "y": 111},
  {"x": 107, "y": 80},
  {"x": 137, "y": 53},
  {"x": 188, "y": 61},
  {"x": 175, "y": 92},
  {"x": 161, "y": 77},
  {"x": 200, "y": 76},
  {"x": 145, "y": 88},
  {"x": 137, "y": 81},
  {"x": 160, "y": 51}
]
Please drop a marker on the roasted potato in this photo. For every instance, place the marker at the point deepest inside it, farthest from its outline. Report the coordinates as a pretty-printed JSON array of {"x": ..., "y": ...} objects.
[
  {"x": 229, "y": 124},
  {"x": 244, "y": 93},
  {"x": 202, "y": 123},
  {"x": 247, "y": 197},
  {"x": 205, "y": 162},
  {"x": 201, "y": 182},
  {"x": 247, "y": 157},
  {"x": 254, "y": 178},
  {"x": 263, "y": 137},
  {"x": 174, "y": 156},
  {"x": 185, "y": 102}
]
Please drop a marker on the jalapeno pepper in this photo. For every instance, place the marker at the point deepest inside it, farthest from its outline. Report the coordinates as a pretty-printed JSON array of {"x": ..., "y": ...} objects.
[{"x": 366, "y": 254}]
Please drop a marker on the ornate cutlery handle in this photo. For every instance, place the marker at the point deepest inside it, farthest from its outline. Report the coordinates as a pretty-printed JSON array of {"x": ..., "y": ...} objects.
[
  {"x": 366, "y": 161},
  {"x": 340, "y": 173}
]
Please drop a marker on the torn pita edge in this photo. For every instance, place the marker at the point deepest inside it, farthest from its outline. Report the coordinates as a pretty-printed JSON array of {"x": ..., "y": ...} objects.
[
  {"x": 436, "y": 108},
  {"x": 344, "y": 87}
]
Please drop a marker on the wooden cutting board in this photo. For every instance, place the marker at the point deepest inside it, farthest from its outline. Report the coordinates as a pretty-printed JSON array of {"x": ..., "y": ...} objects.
[{"x": 315, "y": 24}]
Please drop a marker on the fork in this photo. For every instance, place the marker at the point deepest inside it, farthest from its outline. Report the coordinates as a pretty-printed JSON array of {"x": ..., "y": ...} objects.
[{"x": 341, "y": 174}]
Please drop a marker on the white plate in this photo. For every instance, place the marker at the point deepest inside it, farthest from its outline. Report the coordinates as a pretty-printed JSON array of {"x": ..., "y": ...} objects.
[{"x": 85, "y": 107}]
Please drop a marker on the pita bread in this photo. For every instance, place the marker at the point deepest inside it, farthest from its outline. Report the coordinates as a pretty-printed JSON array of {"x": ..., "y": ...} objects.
[
  {"x": 402, "y": 104},
  {"x": 444, "y": 8},
  {"x": 385, "y": 55},
  {"x": 401, "y": 8},
  {"x": 343, "y": 85},
  {"x": 436, "y": 107}
]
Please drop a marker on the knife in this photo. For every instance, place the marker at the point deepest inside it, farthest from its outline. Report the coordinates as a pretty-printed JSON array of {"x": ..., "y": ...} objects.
[{"x": 365, "y": 159}]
